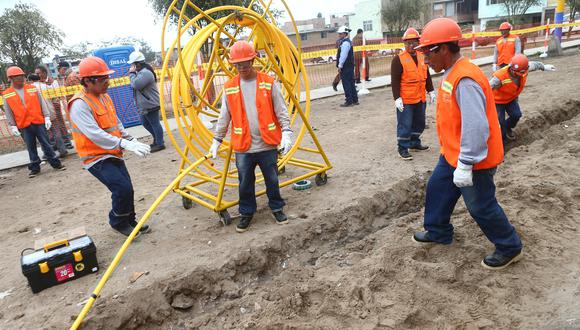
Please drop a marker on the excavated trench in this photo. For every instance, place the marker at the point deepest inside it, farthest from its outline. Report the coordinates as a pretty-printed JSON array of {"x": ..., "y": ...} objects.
[{"x": 331, "y": 271}]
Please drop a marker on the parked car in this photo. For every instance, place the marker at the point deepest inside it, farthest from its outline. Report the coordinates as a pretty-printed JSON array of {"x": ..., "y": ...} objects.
[{"x": 324, "y": 59}]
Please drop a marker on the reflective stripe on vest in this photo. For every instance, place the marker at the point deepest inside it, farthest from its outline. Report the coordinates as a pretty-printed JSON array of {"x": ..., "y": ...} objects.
[
  {"x": 28, "y": 111},
  {"x": 413, "y": 78},
  {"x": 448, "y": 116},
  {"x": 509, "y": 90}
]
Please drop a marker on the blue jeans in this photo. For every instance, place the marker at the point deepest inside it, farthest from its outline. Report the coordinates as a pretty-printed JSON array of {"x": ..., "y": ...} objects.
[
  {"x": 347, "y": 77},
  {"x": 442, "y": 195},
  {"x": 410, "y": 125},
  {"x": 31, "y": 134},
  {"x": 246, "y": 164},
  {"x": 514, "y": 113},
  {"x": 113, "y": 173},
  {"x": 151, "y": 123}
]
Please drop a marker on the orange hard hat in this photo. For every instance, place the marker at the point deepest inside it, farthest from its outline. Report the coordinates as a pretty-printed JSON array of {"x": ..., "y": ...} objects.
[
  {"x": 242, "y": 51},
  {"x": 93, "y": 66},
  {"x": 411, "y": 34},
  {"x": 14, "y": 71},
  {"x": 438, "y": 31},
  {"x": 519, "y": 63},
  {"x": 505, "y": 26}
]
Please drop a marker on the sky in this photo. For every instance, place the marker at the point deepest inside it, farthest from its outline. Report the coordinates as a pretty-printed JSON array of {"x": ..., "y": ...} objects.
[{"x": 102, "y": 20}]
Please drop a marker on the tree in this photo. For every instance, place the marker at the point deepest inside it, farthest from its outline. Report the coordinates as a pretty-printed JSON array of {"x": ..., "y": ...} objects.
[
  {"x": 516, "y": 9},
  {"x": 83, "y": 49},
  {"x": 398, "y": 14},
  {"x": 26, "y": 36},
  {"x": 574, "y": 6}
]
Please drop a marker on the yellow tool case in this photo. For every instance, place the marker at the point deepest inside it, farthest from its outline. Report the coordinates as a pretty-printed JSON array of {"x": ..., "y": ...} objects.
[{"x": 59, "y": 262}]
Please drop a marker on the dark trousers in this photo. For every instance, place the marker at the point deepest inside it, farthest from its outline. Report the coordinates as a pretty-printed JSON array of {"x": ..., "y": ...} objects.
[
  {"x": 31, "y": 134},
  {"x": 246, "y": 164},
  {"x": 410, "y": 125},
  {"x": 442, "y": 195},
  {"x": 514, "y": 114},
  {"x": 113, "y": 173},
  {"x": 358, "y": 68},
  {"x": 60, "y": 124},
  {"x": 347, "y": 77},
  {"x": 56, "y": 140},
  {"x": 152, "y": 124}
]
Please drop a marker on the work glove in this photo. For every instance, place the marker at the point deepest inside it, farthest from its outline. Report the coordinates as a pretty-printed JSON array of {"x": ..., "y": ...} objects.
[
  {"x": 141, "y": 149},
  {"x": 15, "y": 130},
  {"x": 463, "y": 175},
  {"x": 47, "y": 123},
  {"x": 213, "y": 150},
  {"x": 549, "y": 67},
  {"x": 399, "y": 104},
  {"x": 286, "y": 142},
  {"x": 432, "y": 97},
  {"x": 494, "y": 67}
]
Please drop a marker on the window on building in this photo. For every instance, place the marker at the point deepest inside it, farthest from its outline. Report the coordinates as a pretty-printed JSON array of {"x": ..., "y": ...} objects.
[
  {"x": 367, "y": 25},
  {"x": 438, "y": 9},
  {"x": 303, "y": 36},
  {"x": 494, "y": 2},
  {"x": 449, "y": 9},
  {"x": 323, "y": 34}
]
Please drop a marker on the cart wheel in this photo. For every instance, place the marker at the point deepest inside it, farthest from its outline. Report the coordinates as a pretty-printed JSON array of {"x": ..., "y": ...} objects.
[
  {"x": 225, "y": 217},
  {"x": 282, "y": 170},
  {"x": 186, "y": 202},
  {"x": 321, "y": 179}
]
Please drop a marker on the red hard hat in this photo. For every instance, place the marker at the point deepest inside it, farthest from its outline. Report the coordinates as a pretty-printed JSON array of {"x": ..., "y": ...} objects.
[
  {"x": 438, "y": 31},
  {"x": 505, "y": 26},
  {"x": 242, "y": 51},
  {"x": 93, "y": 66},
  {"x": 519, "y": 63},
  {"x": 411, "y": 34},
  {"x": 14, "y": 71}
]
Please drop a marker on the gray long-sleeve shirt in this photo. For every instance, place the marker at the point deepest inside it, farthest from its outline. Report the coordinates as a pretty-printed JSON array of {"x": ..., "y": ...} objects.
[
  {"x": 20, "y": 92},
  {"x": 518, "y": 49},
  {"x": 248, "y": 89},
  {"x": 145, "y": 90},
  {"x": 533, "y": 66},
  {"x": 82, "y": 116}
]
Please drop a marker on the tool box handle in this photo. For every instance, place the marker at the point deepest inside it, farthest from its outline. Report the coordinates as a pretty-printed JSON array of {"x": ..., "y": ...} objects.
[{"x": 52, "y": 245}]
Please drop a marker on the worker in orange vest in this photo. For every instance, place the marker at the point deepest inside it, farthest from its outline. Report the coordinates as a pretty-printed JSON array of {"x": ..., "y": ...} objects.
[
  {"x": 254, "y": 105},
  {"x": 506, "y": 47},
  {"x": 471, "y": 149},
  {"x": 100, "y": 139},
  {"x": 507, "y": 84},
  {"x": 27, "y": 113},
  {"x": 410, "y": 82}
]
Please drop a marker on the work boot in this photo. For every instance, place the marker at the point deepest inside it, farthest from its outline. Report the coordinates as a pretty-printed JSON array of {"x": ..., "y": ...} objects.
[
  {"x": 420, "y": 147},
  {"x": 498, "y": 261},
  {"x": 33, "y": 173},
  {"x": 280, "y": 217},
  {"x": 347, "y": 104},
  {"x": 357, "y": 82},
  {"x": 59, "y": 167},
  {"x": 155, "y": 148},
  {"x": 510, "y": 134},
  {"x": 126, "y": 230},
  {"x": 368, "y": 79},
  {"x": 334, "y": 86},
  {"x": 145, "y": 229},
  {"x": 69, "y": 145},
  {"x": 244, "y": 223},
  {"x": 404, "y": 154},
  {"x": 423, "y": 238}
]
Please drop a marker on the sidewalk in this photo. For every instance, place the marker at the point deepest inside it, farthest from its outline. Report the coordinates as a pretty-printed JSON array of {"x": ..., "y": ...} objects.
[{"x": 20, "y": 158}]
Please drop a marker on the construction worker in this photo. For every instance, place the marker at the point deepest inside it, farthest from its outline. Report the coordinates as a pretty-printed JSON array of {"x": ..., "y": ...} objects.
[
  {"x": 507, "y": 84},
  {"x": 345, "y": 65},
  {"x": 506, "y": 47},
  {"x": 410, "y": 81},
  {"x": 100, "y": 139},
  {"x": 471, "y": 149},
  {"x": 254, "y": 105},
  {"x": 357, "y": 40},
  {"x": 27, "y": 114}
]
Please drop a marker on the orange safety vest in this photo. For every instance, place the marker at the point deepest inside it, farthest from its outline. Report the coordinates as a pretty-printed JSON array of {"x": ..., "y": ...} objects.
[
  {"x": 508, "y": 91},
  {"x": 449, "y": 116},
  {"x": 270, "y": 129},
  {"x": 506, "y": 49},
  {"x": 25, "y": 115},
  {"x": 106, "y": 117},
  {"x": 413, "y": 78}
]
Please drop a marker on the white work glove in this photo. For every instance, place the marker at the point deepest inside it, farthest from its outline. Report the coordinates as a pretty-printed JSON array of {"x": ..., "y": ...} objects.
[
  {"x": 141, "y": 149},
  {"x": 549, "y": 67},
  {"x": 47, "y": 123},
  {"x": 494, "y": 67},
  {"x": 286, "y": 142},
  {"x": 463, "y": 175},
  {"x": 432, "y": 97},
  {"x": 214, "y": 148},
  {"x": 15, "y": 130},
  {"x": 399, "y": 104}
]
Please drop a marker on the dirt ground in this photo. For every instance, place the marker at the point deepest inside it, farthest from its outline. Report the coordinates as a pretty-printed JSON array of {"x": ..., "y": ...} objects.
[{"x": 346, "y": 260}]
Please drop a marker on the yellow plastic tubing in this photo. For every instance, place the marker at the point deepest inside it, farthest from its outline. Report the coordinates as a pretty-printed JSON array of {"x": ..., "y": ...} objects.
[{"x": 188, "y": 102}]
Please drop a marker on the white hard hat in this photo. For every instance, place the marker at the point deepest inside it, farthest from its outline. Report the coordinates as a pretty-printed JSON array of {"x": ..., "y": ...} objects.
[
  {"x": 136, "y": 56},
  {"x": 343, "y": 29}
]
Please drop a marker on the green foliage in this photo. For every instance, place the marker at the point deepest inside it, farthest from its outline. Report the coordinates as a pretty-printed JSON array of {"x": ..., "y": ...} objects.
[
  {"x": 79, "y": 51},
  {"x": 398, "y": 14},
  {"x": 516, "y": 9},
  {"x": 574, "y": 6},
  {"x": 26, "y": 36}
]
